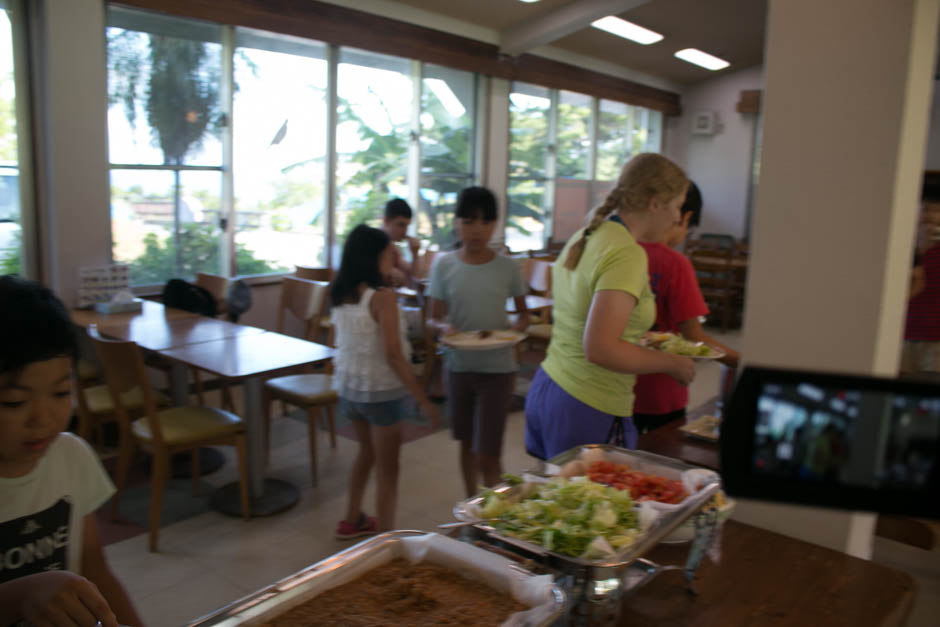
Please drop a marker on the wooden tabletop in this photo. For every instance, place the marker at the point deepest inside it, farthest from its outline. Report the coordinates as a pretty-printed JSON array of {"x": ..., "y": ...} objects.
[
  {"x": 668, "y": 440},
  {"x": 765, "y": 578},
  {"x": 248, "y": 355},
  {"x": 157, "y": 334},
  {"x": 151, "y": 311}
]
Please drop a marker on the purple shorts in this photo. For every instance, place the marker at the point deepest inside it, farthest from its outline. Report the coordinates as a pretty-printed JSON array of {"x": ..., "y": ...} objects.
[{"x": 555, "y": 421}]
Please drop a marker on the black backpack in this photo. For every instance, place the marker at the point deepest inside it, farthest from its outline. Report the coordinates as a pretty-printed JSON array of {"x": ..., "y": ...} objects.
[
  {"x": 239, "y": 300},
  {"x": 188, "y": 297}
]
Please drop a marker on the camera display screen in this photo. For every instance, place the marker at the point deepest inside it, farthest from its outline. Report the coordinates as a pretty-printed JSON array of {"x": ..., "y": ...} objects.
[{"x": 867, "y": 439}]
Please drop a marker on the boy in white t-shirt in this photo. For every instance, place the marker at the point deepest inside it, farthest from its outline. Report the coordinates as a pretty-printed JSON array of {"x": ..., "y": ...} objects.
[{"x": 52, "y": 568}]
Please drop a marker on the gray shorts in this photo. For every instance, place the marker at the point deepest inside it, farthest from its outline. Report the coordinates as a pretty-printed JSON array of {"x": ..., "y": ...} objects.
[{"x": 477, "y": 404}]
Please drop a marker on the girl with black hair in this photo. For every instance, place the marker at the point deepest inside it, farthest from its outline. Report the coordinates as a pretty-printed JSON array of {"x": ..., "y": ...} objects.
[
  {"x": 373, "y": 374},
  {"x": 469, "y": 289}
]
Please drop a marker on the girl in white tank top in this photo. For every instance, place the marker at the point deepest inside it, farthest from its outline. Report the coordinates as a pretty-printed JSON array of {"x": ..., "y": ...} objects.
[{"x": 373, "y": 375}]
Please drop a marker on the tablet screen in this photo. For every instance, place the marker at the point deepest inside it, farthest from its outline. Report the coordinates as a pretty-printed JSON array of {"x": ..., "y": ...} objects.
[
  {"x": 833, "y": 440},
  {"x": 869, "y": 439}
]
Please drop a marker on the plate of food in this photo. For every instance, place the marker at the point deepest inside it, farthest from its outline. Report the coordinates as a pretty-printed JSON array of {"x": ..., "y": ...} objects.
[
  {"x": 483, "y": 340},
  {"x": 704, "y": 427},
  {"x": 678, "y": 345}
]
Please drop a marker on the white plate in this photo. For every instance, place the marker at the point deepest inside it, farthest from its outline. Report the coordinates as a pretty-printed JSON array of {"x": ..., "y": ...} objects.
[
  {"x": 713, "y": 354},
  {"x": 471, "y": 340}
]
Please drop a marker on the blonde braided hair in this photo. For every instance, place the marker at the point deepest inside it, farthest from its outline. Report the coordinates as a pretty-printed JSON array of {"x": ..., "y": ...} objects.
[{"x": 645, "y": 177}]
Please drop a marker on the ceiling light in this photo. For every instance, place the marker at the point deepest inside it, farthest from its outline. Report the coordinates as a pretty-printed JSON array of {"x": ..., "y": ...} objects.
[
  {"x": 528, "y": 1},
  {"x": 702, "y": 59},
  {"x": 627, "y": 30}
]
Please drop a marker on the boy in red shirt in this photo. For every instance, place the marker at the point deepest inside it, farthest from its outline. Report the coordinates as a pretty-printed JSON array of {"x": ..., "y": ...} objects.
[{"x": 659, "y": 397}]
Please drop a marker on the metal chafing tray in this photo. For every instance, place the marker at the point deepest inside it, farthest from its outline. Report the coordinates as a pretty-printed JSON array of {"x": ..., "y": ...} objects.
[
  {"x": 596, "y": 587},
  {"x": 546, "y": 600}
]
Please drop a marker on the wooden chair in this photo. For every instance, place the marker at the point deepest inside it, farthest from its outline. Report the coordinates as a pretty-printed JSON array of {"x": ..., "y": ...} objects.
[
  {"x": 313, "y": 392},
  {"x": 715, "y": 276},
  {"x": 313, "y": 274},
  {"x": 95, "y": 409},
  {"x": 218, "y": 286},
  {"x": 537, "y": 273},
  {"x": 162, "y": 433},
  {"x": 319, "y": 274}
]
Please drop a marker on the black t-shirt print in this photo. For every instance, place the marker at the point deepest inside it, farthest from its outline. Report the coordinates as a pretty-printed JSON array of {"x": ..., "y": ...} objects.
[{"x": 35, "y": 543}]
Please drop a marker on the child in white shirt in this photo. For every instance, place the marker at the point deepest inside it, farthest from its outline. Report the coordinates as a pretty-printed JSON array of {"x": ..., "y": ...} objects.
[{"x": 52, "y": 568}]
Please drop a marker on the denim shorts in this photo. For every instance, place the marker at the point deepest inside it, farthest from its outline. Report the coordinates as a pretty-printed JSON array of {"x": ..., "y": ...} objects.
[{"x": 381, "y": 414}]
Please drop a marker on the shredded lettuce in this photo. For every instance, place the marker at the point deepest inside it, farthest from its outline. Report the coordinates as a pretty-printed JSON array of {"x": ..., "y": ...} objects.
[
  {"x": 678, "y": 345},
  {"x": 576, "y": 517}
]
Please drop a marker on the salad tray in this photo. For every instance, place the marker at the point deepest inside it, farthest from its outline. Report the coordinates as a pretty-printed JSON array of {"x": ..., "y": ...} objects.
[
  {"x": 668, "y": 519},
  {"x": 596, "y": 586},
  {"x": 547, "y": 602}
]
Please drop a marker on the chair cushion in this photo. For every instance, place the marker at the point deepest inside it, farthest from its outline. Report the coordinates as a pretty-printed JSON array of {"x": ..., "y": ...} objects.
[
  {"x": 540, "y": 331},
  {"x": 185, "y": 425},
  {"x": 98, "y": 399},
  {"x": 304, "y": 389}
]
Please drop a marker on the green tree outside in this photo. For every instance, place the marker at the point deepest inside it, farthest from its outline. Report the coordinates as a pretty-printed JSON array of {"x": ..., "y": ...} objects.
[{"x": 176, "y": 82}]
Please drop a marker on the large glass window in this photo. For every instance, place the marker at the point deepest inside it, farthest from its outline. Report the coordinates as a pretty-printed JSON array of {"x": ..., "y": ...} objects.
[
  {"x": 170, "y": 168},
  {"x": 448, "y": 109},
  {"x": 531, "y": 166},
  {"x": 10, "y": 211},
  {"x": 615, "y": 120},
  {"x": 165, "y": 123},
  {"x": 574, "y": 135},
  {"x": 373, "y": 135},
  {"x": 563, "y": 161},
  {"x": 279, "y": 152}
]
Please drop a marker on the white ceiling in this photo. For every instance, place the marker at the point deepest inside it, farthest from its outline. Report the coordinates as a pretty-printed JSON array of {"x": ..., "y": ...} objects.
[{"x": 730, "y": 29}]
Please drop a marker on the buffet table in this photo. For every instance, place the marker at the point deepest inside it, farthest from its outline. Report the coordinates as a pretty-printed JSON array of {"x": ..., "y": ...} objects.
[{"x": 765, "y": 578}]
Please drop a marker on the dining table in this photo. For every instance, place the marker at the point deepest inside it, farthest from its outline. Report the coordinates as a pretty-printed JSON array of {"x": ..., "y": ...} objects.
[
  {"x": 249, "y": 359},
  {"x": 159, "y": 334},
  {"x": 240, "y": 354}
]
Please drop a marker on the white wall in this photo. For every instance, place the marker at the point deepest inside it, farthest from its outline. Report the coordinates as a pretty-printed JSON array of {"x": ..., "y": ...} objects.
[
  {"x": 720, "y": 163},
  {"x": 836, "y": 209},
  {"x": 70, "y": 113}
]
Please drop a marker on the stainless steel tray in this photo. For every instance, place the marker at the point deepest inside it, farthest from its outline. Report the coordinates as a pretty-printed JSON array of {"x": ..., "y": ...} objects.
[
  {"x": 347, "y": 565},
  {"x": 667, "y": 521}
]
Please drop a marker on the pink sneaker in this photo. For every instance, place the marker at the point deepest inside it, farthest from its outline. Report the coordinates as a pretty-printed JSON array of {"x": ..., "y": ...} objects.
[{"x": 364, "y": 527}]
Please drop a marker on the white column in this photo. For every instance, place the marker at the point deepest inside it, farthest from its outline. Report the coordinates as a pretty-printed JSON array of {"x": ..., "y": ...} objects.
[
  {"x": 496, "y": 157},
  {"x": 71, "y": 112},
  {"x": 848, "y": 87}
]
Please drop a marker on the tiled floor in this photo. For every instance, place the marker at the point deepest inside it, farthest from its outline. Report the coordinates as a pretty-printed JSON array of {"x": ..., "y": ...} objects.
[{"x": 209, "y": 560}]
